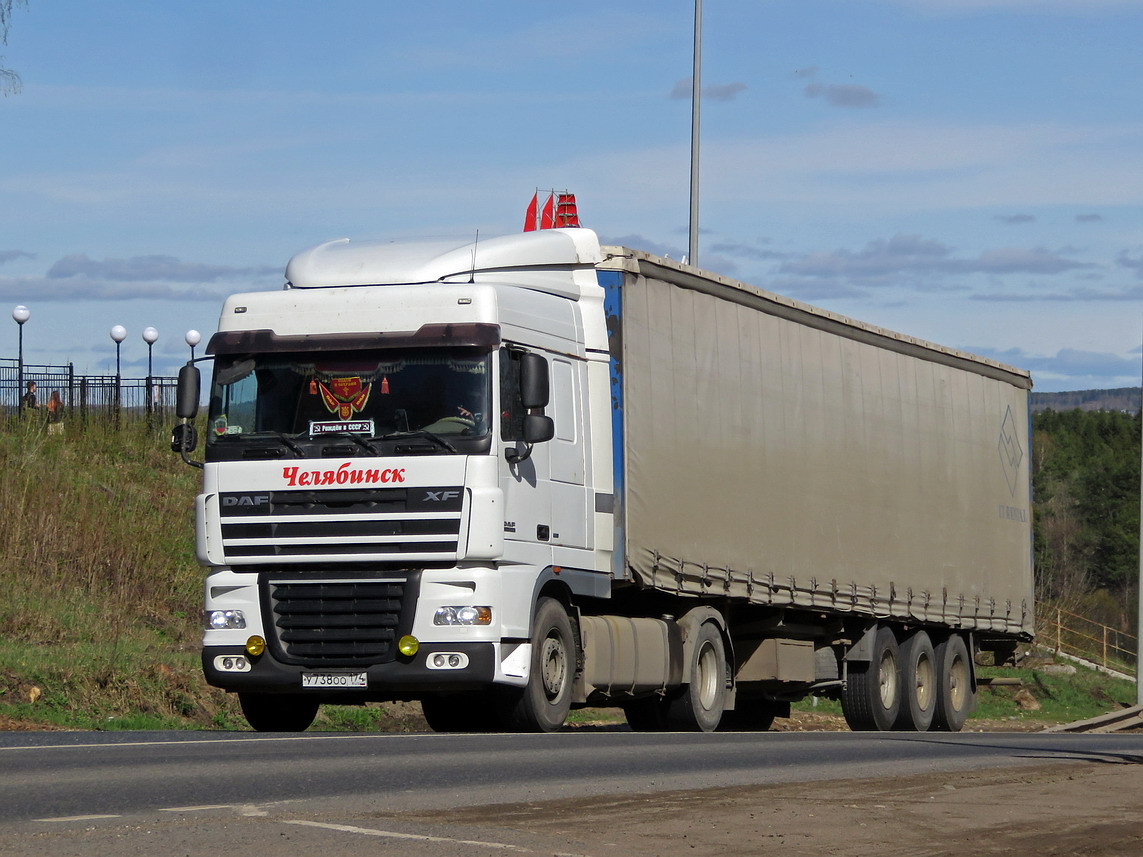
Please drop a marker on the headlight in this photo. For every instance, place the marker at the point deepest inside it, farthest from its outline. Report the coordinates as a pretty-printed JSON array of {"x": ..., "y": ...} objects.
[
  {"x": 463, "y": 616},
  {"x": 222, "y": 620}
]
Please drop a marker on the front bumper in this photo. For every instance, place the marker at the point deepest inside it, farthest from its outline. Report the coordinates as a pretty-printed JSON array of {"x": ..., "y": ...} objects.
[{"x": 403, "y": 677}]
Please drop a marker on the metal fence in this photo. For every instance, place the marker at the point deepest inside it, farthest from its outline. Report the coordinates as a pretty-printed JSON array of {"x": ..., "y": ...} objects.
[
  {"x": 1070, "y": 634},
  {"x": 88, "y": 397}
]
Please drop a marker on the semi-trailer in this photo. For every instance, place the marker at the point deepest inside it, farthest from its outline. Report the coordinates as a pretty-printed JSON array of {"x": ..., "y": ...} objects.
[{"x": 514, "y": 476}]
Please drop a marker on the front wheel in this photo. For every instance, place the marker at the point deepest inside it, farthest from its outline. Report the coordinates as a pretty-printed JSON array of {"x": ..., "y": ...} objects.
[
  {"x": 278, "y": 712},
  {"x": 543, "y": 704}
]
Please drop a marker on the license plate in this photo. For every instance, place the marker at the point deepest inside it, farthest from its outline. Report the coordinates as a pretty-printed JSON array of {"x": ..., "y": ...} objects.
[{"x": 334, "y": 680}]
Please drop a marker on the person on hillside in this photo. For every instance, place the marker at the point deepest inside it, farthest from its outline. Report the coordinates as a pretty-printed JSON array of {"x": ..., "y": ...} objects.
[
  {"x": 28, "y": 402},
  {"x": 55, "y": 413}
]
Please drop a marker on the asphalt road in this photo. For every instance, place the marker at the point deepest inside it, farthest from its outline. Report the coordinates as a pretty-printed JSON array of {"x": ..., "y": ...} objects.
[{"x": 72, "y": 778}]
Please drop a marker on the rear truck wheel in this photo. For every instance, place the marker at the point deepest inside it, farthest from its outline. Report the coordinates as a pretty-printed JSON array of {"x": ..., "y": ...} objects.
[
  {"x": 278, "y": 712},
  {"x": 751, "y": 715},
  {"x": 543, "y": 704},
  {"x": 918, "y": 684},
  {"x": 871, "y": 697},
  {"x": 698, "y": 706},
  {"x": 955, "y": 695},
  {"x": 460, "y": 712}
]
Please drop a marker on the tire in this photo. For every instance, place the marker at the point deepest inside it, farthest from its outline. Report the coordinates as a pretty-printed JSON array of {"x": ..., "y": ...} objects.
[
  {"x": 918, "y": 684},
  {"x": 278, "y": 712},
  {"x": 871, "y": 698},
  {"x": 460, "y": 712},
  {"x": 749, "y": 715},
  {"x": 543, "y": 704},
  {"x": 956, "y": 697},
  {"x": 647, "y": 715},
  {"x": 698, "y": 706}
]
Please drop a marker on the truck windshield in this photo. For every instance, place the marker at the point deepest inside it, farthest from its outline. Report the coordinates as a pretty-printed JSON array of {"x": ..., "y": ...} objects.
[{"x": 435, "y": 392}]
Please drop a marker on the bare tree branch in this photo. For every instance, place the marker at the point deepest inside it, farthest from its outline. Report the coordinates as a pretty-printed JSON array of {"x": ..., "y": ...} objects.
[{"x": 9, "y": 80}]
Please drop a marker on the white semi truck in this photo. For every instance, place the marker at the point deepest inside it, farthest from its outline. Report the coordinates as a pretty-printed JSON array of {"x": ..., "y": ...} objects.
[{"x": 511, "y": 477}]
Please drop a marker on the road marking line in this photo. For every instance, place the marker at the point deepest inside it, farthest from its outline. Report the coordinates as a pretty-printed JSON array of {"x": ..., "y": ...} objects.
[
  {"x": 77, "y": 818},
  {"x": 391, "y": 834},
  {"x": 197, "y": 808}
]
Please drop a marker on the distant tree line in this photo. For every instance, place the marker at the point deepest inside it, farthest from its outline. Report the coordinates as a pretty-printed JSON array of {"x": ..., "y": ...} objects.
[
  {"x": 1118, "y": 399},
  {"x": 1085, "y": 484}
]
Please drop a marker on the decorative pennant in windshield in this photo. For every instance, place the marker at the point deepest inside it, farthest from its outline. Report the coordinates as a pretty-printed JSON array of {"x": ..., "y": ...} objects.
[{"x": 345, "y": 396}]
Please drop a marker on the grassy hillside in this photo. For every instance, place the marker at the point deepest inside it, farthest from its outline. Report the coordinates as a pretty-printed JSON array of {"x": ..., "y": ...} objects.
[{"x": 100, "y": 607}]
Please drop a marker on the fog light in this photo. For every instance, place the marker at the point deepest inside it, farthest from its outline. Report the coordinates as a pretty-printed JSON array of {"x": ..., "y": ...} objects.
[
  {"x": 408, "y": 645},
  {"x": 224, "y": 620},
  {"x": 463, "y": 616},
  {"x": 447, "y": 661},
  {"x": 232, "y": 664},
  {"x": 255, "y": 646}
]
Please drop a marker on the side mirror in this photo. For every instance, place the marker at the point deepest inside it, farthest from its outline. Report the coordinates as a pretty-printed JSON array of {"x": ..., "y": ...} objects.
[
  {"x": 538, "y": 429},
  {"x": 184, "y": 438},
  {"x": 534, "y": 389},
  {"x": 186, "y": 400}
]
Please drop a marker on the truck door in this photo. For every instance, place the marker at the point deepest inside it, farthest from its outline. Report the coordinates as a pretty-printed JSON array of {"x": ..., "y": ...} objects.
[{"x": 566, "y": 454}]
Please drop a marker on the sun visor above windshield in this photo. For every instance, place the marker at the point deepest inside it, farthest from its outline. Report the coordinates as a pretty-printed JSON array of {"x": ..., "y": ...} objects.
[
  {"x": 371, "y": 263},
  {"x": 477, "y": 334}
]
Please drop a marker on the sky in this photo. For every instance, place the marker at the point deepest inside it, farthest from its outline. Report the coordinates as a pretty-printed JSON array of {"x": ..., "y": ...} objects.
[{"x": 969, "y": 172}]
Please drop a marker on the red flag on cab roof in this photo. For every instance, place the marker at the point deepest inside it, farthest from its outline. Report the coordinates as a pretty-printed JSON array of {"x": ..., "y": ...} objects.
[
  {"x": 566, "y": 212},
  {"x": 547, "y": 216},
  {"x": 530, "y": 215}
]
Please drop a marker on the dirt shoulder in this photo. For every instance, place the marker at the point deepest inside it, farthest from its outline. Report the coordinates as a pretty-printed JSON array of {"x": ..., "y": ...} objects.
[{"x": 1073, "y": 809}]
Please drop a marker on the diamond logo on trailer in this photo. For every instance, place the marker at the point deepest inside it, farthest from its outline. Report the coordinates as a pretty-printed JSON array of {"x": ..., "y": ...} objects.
[{"x": 1011, "y": 454}]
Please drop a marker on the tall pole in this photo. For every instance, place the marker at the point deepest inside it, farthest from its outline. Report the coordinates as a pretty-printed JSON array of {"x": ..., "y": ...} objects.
[
  {"x": 150, "y": 336},
  {"x": 696, "y": 89},
  {"x": 118, "y": 334},
  {"x": 1139, "y": 583},
  {"x": 20, "y": 315}
]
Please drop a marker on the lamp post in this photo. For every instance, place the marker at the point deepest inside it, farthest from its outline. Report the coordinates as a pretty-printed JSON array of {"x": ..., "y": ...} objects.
[
  {"x": 150, "y": 336},
  {"x": 193, "y": 338},
  {"x": 118, "y": 334},
  {"x": 20, "y": 314}
]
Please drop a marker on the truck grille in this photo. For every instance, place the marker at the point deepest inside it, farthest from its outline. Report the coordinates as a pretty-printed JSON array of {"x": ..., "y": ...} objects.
[
  {"x": 404, "y": 525},
  {"x": 325, "y": 622}
]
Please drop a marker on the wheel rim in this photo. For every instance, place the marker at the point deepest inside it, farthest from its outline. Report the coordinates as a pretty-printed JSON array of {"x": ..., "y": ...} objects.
[
  {"x": 958, "y": 684},
  {"x": 708, "y": 678},
  {"x": 926, "y": 686},
  {"x": 553, "y": 666},
  {"x": 887, "y": 678}
]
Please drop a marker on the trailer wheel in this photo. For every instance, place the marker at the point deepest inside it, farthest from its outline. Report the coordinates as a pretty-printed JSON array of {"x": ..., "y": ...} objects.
[
  {"x": 698, "y": 706},
  {"x": 278, "y": 712},
  {"x": 543, "y": 704},
  {"x": 955, "y": 696},
  {"x": 918, "y": 684},
  {"x": 871, "y": 697}
]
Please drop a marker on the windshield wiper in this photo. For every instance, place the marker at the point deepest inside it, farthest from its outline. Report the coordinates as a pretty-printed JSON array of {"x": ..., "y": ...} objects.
[
  {"x": 301, "y": 453},
  {"x": 353, "y": 436},
  {"x": 435, "y": 438}
]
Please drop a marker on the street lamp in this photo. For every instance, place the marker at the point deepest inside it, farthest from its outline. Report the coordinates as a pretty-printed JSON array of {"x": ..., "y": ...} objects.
[
  {"x": 20, "y": 314},
  {"x": 150, "y": 336},
  {"x": 118, "y": 334},
  {"x": 193, "y": 338}
]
